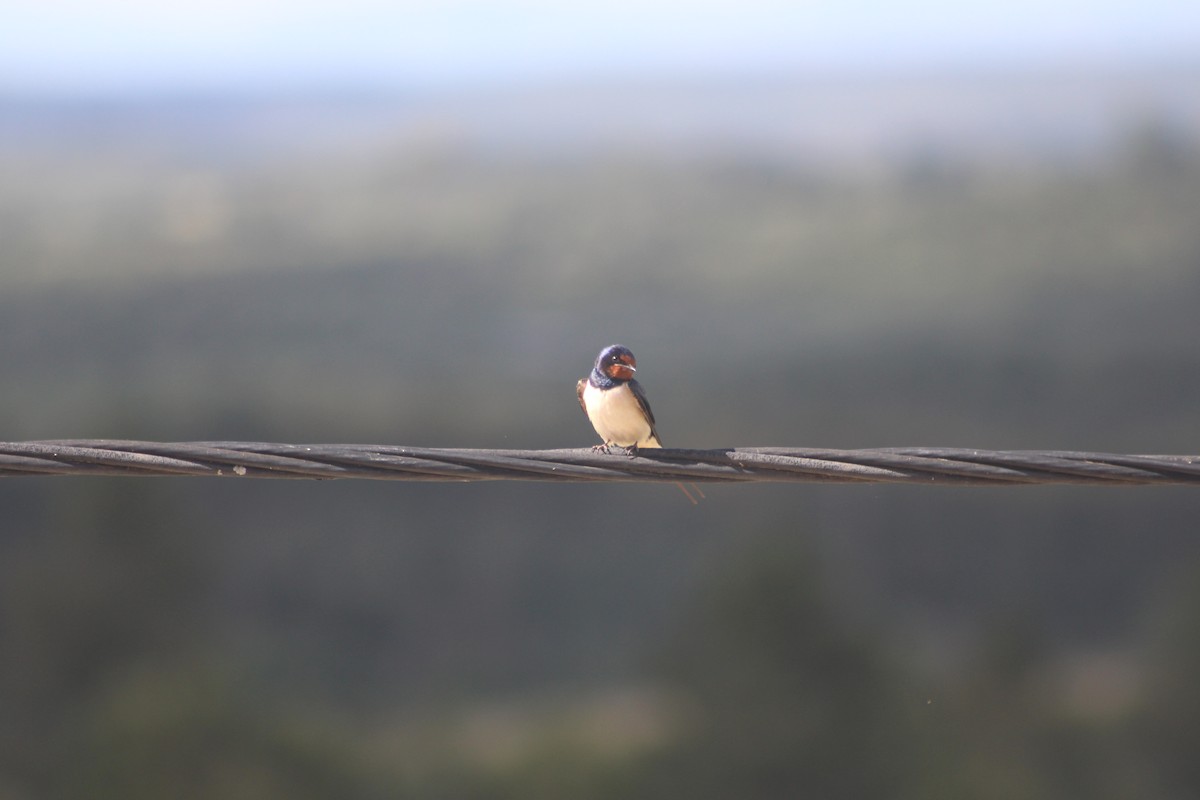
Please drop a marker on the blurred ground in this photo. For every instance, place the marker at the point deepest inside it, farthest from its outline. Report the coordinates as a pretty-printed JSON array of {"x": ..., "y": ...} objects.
[{"x": 439, "y": 272}]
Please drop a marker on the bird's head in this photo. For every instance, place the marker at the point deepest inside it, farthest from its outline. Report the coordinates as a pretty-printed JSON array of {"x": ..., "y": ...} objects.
[{"x": 616, "y": 362}]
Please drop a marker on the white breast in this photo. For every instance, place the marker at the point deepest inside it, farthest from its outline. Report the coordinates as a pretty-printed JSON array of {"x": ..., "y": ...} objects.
[{"x": 617, "y": 417}]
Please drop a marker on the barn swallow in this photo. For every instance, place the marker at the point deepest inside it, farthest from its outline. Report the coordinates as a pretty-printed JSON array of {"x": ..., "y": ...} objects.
[{"x": 616, "y": 404}]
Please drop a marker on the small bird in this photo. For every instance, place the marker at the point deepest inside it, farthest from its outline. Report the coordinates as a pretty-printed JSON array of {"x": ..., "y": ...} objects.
[{"x": 616, "y": 404}]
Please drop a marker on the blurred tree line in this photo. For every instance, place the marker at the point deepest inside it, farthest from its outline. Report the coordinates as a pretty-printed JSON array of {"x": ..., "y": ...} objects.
[
  {"x": 117, "y": 682},
  {"x": 239, "y": 639}
]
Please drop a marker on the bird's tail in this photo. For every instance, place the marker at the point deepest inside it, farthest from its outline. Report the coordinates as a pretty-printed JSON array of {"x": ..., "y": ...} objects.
[
  {"x": 688, "y": 494},
  {"x": 652, "y": 441}
]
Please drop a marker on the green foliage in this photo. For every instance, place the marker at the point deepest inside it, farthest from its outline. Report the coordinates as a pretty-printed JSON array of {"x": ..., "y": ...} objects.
[
  {"x": 789, "y": 698},
  {"x": 191, "y": 733},
  {"x": 226, "y": 639}
]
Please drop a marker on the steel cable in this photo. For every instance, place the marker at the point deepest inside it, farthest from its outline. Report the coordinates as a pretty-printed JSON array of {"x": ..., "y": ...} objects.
[{"x": 925, "y": 465}]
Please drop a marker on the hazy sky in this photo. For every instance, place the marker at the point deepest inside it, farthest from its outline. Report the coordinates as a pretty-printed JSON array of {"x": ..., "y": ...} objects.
[{"x": 91, "y": 45}]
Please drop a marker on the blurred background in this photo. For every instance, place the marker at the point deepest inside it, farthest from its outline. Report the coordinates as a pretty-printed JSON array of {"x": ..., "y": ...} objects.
[{"x": 822, "y": 224}]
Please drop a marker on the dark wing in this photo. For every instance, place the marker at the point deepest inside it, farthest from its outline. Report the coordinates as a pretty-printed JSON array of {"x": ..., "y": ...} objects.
[
  {"x": 579, "y": 394},
  {"x": 640, "y": 395}
]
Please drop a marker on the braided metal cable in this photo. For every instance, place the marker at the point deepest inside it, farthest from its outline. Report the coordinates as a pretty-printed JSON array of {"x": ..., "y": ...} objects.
[{"x": 924, "y": 465}]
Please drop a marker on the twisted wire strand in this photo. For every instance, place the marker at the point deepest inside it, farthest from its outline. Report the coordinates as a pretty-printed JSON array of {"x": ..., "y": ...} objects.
[{"x": 923, "y": 465}]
